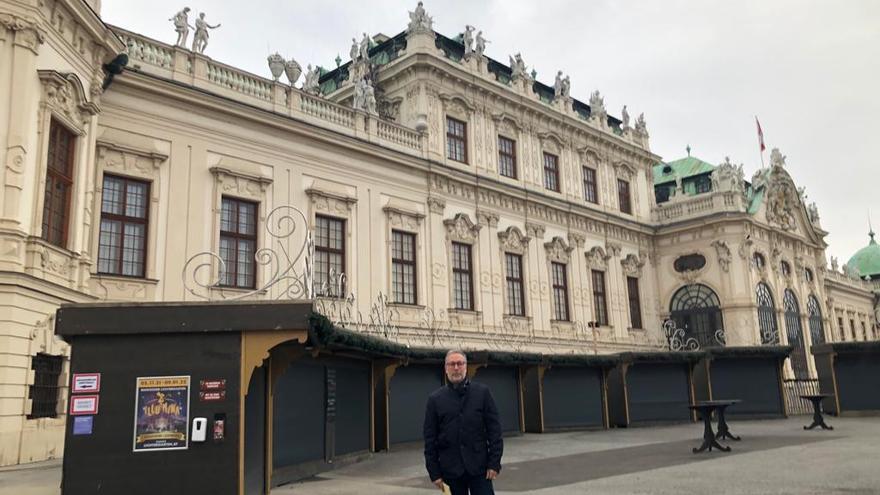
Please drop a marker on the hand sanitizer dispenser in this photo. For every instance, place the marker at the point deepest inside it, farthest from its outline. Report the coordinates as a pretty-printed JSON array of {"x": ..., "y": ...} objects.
[{"x": 199, "y": 429}]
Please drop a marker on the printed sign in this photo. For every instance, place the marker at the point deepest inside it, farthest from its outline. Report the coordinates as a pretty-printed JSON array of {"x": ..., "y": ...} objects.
[
  {"x": 82, "y": 425},
  {"x": 212, "y": 396},
  {"x": 161, "y": 417},
  {"x": 83, "y": 404},
  {"x": 212, "y": 384},
  {"x": 86, "y": 382}
]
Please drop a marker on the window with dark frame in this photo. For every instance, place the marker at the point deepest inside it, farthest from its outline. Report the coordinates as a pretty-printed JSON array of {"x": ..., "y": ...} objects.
[
  {"x": 786, "y": 268},
  {"x": 623, "y": 196},
  {"x": 456, "y": 140},
  {"x": 635, "y": 304},
  {"x": 560, "y": 291},
  {"x": 462, "y": 277},
  {"x": 516, "y": 305},
  {"x": 591, "y": 191},
  {"x": 329, "y": 256},
  {"x": 551, "y": 172},
  {"x": 841, "y": 328},
  {"x": 44, "y": 392},
  {"x": 238, "y": 243},
  {"x": 599, "y": 299},
  {"x": 59, "y": 184},
  {"x": 403, "y": 267},
  {"x": 125, "y": 210},
  {"x": 507, "y": 157}
]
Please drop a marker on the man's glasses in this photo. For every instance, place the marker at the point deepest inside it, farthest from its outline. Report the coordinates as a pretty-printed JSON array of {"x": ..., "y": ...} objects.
[{"x": 453, "y": 364}]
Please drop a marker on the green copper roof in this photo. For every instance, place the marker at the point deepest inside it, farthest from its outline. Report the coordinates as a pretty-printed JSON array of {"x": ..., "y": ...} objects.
[
  {"x": 684, "y": 168},
  {"x": 867, "y": 260}
]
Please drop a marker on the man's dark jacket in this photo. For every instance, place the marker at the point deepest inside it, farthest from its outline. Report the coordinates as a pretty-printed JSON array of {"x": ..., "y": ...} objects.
[{"x": 462, "y": 432}]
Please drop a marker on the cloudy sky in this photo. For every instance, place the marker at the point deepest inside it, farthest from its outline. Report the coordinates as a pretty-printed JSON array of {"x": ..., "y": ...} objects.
[{"x": 701, "y": 70}]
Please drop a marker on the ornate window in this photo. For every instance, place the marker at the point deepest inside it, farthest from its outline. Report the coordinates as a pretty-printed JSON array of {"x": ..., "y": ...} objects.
[
  {"x": 600, "y": 302},
  {"x": 329, "y": 256},
  {"x": 794, "y": 331},
  {"x": 623, "y": 196},
  {"x": 551, "y": 172},
  {"x": 238, "y": 243},
  {"x": 817, "y": 332},
  {"x": 462, "y": 277},
  {"x": 591, "y": 190},
  {"x": 59, "y": 184},
  {"x": 507, "y": 157},
  {"x": 515, "y": 286},
  {"x": 124, "y": 219},
  {"x": 456, "y": 140},
  {"x": 403, "y": 267},
  {"x": 560, "y": 291},
  {"x": 635, "y": 304},
  {"x": 767, "y": 315},
  {"x": 695, "y": 308},
  {"x": 44, "y": 391}
]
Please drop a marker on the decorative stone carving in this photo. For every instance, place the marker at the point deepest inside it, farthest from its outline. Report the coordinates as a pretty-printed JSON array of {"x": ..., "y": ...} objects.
[
  {"x": 129, "y": 161},
  {"x": 834, "y": 265},
  {"x": 365, "y": 97},
  {"x": 624, "y": 115},
  {"x": 624, "y": 171},
  {"x": 200, "y": 39},
  {"x": 641, "y": 128},
  {"x": 577, "y": 239},
  {"x": 722, "y": 250},
  {"x": 64, "y": 93},
  {"x": 597, "y": 258},
  {"x": 28, "y": 33},
  {"x": 420, "y": 21},
  {"x": 535, "y": 230},
  {"x": 181, "y": 26},
  {"x": 468, "y": 41},
  {"x": 406, "y": 220},
  {"x": 461, "y": 228},
  {"x": 310, "y": 85},
  {"x": 598, "y": 114},
  {"x": 745, "y": 248},
  {"x": 481, "y": 44},
  {"x": 632, "y": 265},
  {"x": 777, "y": 159},
  {"x": 276, "y": 65},
  {"x": 240, "y": 183},
  {"x": 613, "y": 248},
  {"x": 558, "y": 251},
  {"x": 813, "y": 213},
  {"x": 292, "y": 70},
  {"x": 512, "y": 240},
  {"x": 518, "y": 69},
  {"x": 487, "y": 218},
  {"x": 561, "y": 87},
  {"x": 329, "y": 202},
  {"x": 728, "y": 177},
  {"x": 436, "y": 205}
]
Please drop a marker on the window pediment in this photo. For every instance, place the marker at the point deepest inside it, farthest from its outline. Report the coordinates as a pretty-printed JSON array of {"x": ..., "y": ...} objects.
[
  {"x": 513, "y": 240},
  {"x": 462, "y": 228},
  {"x": 64, "y": 94},
  {"x": 558, "y": 250}
]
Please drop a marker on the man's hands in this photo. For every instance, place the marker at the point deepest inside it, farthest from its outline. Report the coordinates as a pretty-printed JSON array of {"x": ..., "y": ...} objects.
[
  {"x": 439, "y": 483},
  {"x": 491, "y": 474}
]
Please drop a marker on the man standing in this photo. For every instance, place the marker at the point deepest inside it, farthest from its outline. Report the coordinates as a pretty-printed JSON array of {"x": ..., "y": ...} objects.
[{"x": 462, "y": 433}]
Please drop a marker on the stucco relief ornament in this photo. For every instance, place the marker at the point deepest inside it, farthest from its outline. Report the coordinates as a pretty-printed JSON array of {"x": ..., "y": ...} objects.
[
  {"x": 200, "y": 39},
  {"x": 723, "y": 252},
  {"x": 420, "y": 21},
  {"x": 181, "y": 26},
  {"x": 632, "y": 265},
  {"x": 276, "y": 65}
]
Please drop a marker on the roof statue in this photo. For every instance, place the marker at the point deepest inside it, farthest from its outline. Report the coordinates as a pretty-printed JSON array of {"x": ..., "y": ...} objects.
[
  {"x": 364, "y": 97},
  {"x": 468, "y": 40},
  {"x": 624, "y": 115},
  {"x": 276, "y": 65},
  {"x": 292, "y": 70},
  {"x": 813, "y": 212},
  {"x": 420, "y": 21},
  {"x": 557, "y": 86},
  {"x": 481, "y": 44},
  {"x": 310, "y": 85},
  {"x": 355, "y": 50},
  {"x": 518, "y": 68},
  {"x": 834, "y": 264},
  {"x": 641, "y": 128},
  {"x": 200, "y": 39},
  {"x": 728, "y": 177},
  {"x": 777, "y": 159},
  {"x": 597, "y": 108},
  {"x": 181, "y": 26},
  {"x": 566, "y": 87},
  {"x": 364, "y": 51}
]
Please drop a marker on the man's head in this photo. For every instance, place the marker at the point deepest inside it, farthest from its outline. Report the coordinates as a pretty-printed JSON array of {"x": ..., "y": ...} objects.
[{"x": 456, "y": 366}]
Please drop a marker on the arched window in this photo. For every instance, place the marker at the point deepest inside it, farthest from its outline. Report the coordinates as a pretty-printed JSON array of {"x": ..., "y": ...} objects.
[
  {"x": 767, "y": 315},
  {"x": 817, "y": 332},
  {"x": 695, "y": 309},
  {"x": 759, "y": 261},
  {"x": 794, "y": 331}
]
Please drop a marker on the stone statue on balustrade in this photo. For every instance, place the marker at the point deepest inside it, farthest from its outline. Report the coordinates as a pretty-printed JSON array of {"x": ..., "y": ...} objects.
[
  {"x": 598, "y": 113},
  {"x": 481, "y": 44},
  {"x": 181, "y": 26},
  {"x": 355, "y": 50},
  {"x": 728, "y": 177},
  {"x": 310, "y": 85},
  {"x": 813, "y": 213},
  {"x": 364, "y": 51},
  {"x": 777, "y": 159},
  {"x": 420, "y": 21},
  {"x": 624, "y": 116},
  {"x": 200, "y": 39},
  {"x": 468, "y": 40},
  {"x": 557, "y": 86},
  {"x": 518, "y": 70},
  {"x": 566, "y": 87},
  {"x": 641, "y": 128},
  {"x": 364, "y": 97}
]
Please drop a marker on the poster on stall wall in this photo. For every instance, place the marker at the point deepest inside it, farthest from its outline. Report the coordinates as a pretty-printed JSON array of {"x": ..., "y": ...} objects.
[{"x": 161, "y": 413}]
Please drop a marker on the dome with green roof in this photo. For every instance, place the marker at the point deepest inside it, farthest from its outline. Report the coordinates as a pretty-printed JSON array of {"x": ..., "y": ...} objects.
[{"x": 866, "y": 261}]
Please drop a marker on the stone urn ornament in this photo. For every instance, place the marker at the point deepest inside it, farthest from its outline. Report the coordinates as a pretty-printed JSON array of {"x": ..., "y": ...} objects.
[
  {"x": 292, "y": 70},
  {"x": 276, "y": 65}
]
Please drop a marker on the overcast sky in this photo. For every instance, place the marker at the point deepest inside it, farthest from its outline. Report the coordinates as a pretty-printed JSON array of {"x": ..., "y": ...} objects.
[{"x": 701, "y": 70}]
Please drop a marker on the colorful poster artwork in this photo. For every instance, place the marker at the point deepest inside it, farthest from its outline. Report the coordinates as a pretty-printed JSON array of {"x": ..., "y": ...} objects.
[{"x": 161, "y": 418}]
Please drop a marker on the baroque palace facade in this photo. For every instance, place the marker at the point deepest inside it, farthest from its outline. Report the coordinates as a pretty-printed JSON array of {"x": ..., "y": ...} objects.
[{"x": 466, "y": 203}]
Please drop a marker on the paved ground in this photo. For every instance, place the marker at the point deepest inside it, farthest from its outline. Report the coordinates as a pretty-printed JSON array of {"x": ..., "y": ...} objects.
[{"x": 774, "y": 457}]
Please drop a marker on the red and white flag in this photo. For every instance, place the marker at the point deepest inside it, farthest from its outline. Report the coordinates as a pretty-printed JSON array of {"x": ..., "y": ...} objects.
[{"x": 760, "y": 135}]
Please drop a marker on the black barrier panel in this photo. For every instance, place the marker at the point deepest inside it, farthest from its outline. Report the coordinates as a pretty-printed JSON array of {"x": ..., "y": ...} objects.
[
  {"x": 255, "y": 434},
  {"x": 298, "y": 415},
  {"x": 754, "y": 381},
  {"x": 658, "y": 392},
  {"x": 858, "y": 382},
  {"x": 410, "y": 388},
  {"x": 353, "y": 408},
  {"x": 103, "y": 460},
  {"x": 572, "y": 398},
  {"x": 504, "y": 385}
]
